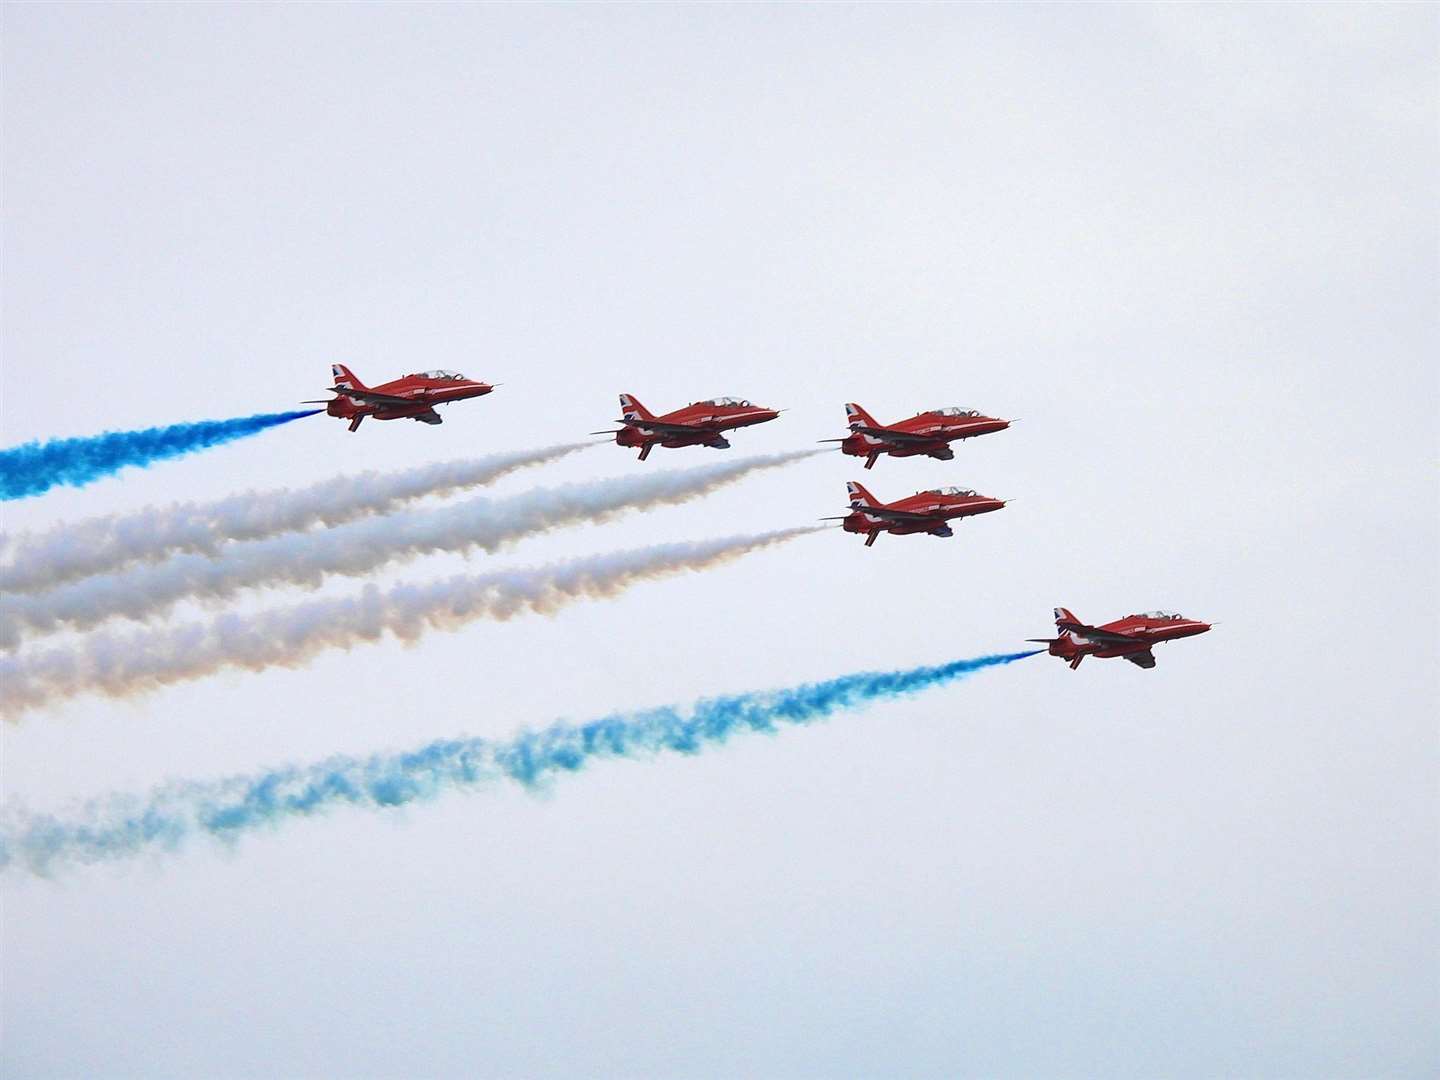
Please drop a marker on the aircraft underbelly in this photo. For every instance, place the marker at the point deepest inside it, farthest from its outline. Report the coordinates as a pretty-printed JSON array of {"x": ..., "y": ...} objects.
[
  {"x": 908, "y": 527},
  {"x": 937, "y": 446},
  {"x": 699, "y": 438},
  {"x": 1121, "y": 650},
  {"x": 401, "y": 412}
]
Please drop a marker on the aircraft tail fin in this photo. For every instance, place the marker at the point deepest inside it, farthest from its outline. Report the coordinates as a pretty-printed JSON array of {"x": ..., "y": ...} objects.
[
  {"x": 856, "y": 416},
  {"x": 1066, "y": 622},
  {"x": 345, "y": 378},
  {"x": 859, "y": 496},
  {"x": 631, "y": 409}
]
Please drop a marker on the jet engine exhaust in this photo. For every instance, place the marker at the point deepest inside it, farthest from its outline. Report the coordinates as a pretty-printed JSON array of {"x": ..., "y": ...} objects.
[
  {"x": 306, "y": 559},
  {"x": 118, "y": 827},
  {"x": 35, "y": 467},
  {"x": 106, "y": 544},
  {"x": 121, "y": 665}
]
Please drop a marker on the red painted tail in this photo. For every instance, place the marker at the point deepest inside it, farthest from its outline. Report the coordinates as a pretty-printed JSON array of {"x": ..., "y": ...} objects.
[
  {"x": 630, "y": 409},
  {"x": 855, "y": 415},
  {"x": 345, "y": 378},
  {"x": 859, "y": 496},
  {"x": 1067, "y": 645},
  {"x": 1064, "y": 620}
]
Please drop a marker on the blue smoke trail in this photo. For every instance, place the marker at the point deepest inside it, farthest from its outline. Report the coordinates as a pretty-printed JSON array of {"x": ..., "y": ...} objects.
[
  {"x": 36, "y": 467},
  {"x": 118, "y": 827}
]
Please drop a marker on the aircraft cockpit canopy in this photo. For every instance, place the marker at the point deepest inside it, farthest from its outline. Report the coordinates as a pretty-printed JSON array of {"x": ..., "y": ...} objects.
[
  {"x": 950, "y": 491},
  {"x": 1169, "y": 616},
  {"x": 441, "y": 373},
  {"x": 734, "y": 402},
  {"x": 955, "y": 410}
]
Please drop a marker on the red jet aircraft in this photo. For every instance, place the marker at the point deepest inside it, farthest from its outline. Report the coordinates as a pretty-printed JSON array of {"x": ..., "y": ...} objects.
[
  {"x": 699, "y": 424},
  {"x": 413, "y": 397},
  {"x": 929, "y": 433},
  {"x": 1130, "y": 637},
  {"x": 923, "y": 512}
]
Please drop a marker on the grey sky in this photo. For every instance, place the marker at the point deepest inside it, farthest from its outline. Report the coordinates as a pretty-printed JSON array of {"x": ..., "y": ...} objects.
[{"x": 1192, "y": 248}]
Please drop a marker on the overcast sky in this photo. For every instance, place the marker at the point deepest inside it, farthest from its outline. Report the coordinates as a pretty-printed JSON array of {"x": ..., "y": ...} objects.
[{"x": 1193, "y": 249}]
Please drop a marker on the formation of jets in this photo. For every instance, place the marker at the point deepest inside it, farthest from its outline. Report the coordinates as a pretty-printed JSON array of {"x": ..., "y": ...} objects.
[{"x": 704, "y": 423}]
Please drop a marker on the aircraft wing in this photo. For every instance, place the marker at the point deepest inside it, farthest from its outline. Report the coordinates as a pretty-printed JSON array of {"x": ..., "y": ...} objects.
[
  {"x": 894, "y": 515},
  {"x": 1144, "y": 659},
  {"x": 373, "y": 398},
  {"x": 892, "y": 435},
  {"x": 660, "y": 426},
  {"x": 1094, "y": 633}
]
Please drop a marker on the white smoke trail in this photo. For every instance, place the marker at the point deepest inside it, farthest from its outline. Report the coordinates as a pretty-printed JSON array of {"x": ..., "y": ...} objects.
[
  {"x": 121, "y": 665},
  {"x": 102, "y": 545},
  {"x": 306, "y": 559}
]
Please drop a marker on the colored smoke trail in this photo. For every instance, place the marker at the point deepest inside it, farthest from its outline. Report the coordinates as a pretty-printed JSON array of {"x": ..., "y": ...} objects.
[
  {"x": 307, "y": 559},
  {"x": 118, "y": 827},
  {"x": 121, "y": 665},
  {"x": 106, "y": 544},
  {"x": 36, "y": 467}
]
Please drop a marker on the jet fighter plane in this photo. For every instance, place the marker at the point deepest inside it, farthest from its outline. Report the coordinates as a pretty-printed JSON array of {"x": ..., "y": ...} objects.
[
  {"x": 1131, "y": 637},
  {"x": 923, "y": 512},
  {"x": 413, "y": 397},
  {"x": 929, "y": 433},
  {"x": 698, "y": 424}
]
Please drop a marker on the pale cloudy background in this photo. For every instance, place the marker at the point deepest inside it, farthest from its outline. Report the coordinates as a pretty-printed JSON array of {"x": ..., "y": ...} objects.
[{"x": 1193, "y": 248}]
